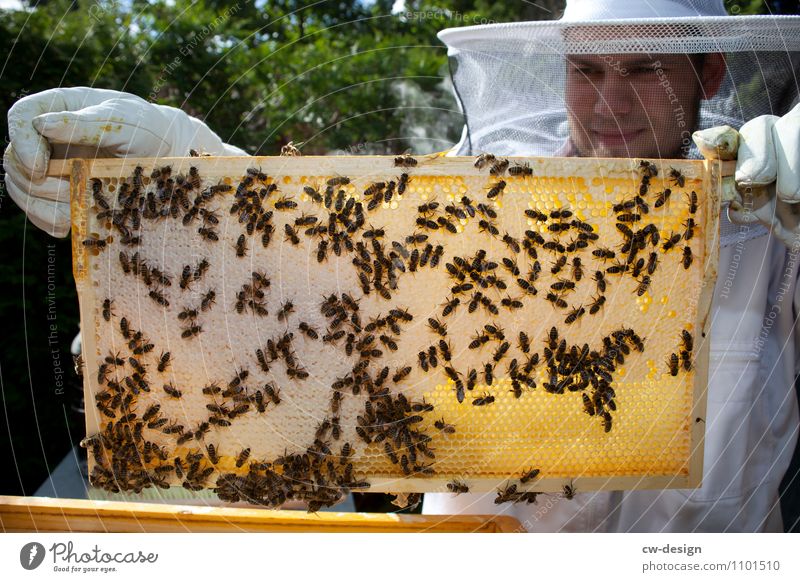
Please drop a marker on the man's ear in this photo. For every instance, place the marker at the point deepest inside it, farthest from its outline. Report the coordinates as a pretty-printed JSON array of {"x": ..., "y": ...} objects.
[{"x": 712, "y": 75}]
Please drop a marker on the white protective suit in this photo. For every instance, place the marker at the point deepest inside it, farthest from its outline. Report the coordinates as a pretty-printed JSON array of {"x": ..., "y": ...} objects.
[{"x": 752, "y": 417}]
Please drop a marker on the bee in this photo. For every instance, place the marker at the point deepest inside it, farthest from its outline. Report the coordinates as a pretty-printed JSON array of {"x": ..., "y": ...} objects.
[
  {"x": 527, "y": 286},
  {"x": 596, "y": 304},
  {"x": 677, "y": 177},
  {"x": 686, "y": 359},
  {"x": 186, "y": 277},
  {"x": 558, "y": 265},
  {"x": 241, "y": 246},
  {"x": 652, "y": 263},
  {"x": 627, "y": 205},
  {"x": 577, "y": 268},
  {"x": 560, "y": 213},
  {"x": 499, "y": 167},
  {"x": 305, "y": 220},
  {"x": 672, "y": 364},
  {"x": 588, "y": 405},
  {"x": 569, "y": 491},
  {"x": 423, "y": 361},
  {"x": 511, "y": 303},
  {"x": 535, "y": 215},
  {"x": 687, "y": 257},
  {"x": 511, "y": 266},
  {"x": 450, "y": 306},
  {"x": 670, "y": 243},
  {"x": 690, "y": 226},
  {"x": 529, "y": 475},
  {"x": 125, "y": 262},
  {"x": 488, "y": 372},
  {"x": 501, "y": 351},
  {"x": 520, "y": 170},
  {"x": 558, "y": 227},
  {"x": 257, "y": 173},
  {"x": 208, "y": 300},
  {"x": 486, "y": 210},
  {"x": 644, "y": 284},
  {"x": 629, "y": 217},
  {"x": 163, "y": 361},
  {"x": 274, "y": 394},
  {"x": 648, "y": 169},
  {"x": 108, "y": 309},
  {"x": 208, "y": 233},
  {"x": 242, "y": 457},
  {"x": 641, "y": 205},
  {"x": 437, "y": 326},
  {"x": 486, "y": 226},
  {"x": 338, "y": 181},
  {"x": 191, "y": 331},
  {"x": 484, "y": 160},
  {"x": 389, "y": 342},
  {"x": 308, "y": 330},
  {"x": 209, "y": 216},
  {"x": 158, "y": 297},
  {"x": 496, "y": 190},
  {"x": 314, "y": 194},
  {"x": 575, "y": 314},
  {"x": 401, "y": 374},
  {"x": 562, "y": 285},
  {"x": 692, "y": 202},
  {"x": 604, "y": 253},
  {"x": 266, "y": 236},
  {"x": 617, "y": 268},
  {"x": 97, "y": 194},
  {"x": 663, "y": 197},
  {"x": 291, "y": 234},
  {"x": 188, "y": 313},
  {"x": 556, "y": 300},
  {"x": 404, "y": 161},
  {"x": 457, "y": 487},
  {"x": 95, "y": 242},
  {"x": 285, "y": 203},
  {"x": 172, "y": 391},
  {"x": 687, "y": 340},
  {"x": 483, "y": 400}
]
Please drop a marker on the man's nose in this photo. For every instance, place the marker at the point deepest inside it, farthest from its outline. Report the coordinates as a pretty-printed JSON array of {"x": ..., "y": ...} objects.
[{"x": 615, "y": 96}]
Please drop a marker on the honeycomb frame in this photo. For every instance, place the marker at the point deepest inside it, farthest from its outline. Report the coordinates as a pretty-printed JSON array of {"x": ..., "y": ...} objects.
[{"x": 587, "y": 462}]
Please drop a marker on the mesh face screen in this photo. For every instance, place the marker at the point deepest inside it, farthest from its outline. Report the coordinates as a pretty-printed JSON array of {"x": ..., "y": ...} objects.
[
  {"x": 277, "y": 329},
  {"x": 532, "y": 88}
]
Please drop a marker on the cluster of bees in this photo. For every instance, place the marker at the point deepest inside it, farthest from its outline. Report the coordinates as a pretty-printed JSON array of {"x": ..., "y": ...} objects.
[
  {"x": 683, "y": 359},
  {"x": 398, "y": 425}
]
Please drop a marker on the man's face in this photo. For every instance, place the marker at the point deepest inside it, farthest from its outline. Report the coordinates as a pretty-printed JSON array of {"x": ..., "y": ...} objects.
[{"x": 632, "y": 105}]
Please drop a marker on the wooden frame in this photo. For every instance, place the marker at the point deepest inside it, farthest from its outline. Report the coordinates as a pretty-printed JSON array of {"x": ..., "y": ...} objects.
[
  {"x": 712, "y": 174},
  {"x": 42, "y": 514}
]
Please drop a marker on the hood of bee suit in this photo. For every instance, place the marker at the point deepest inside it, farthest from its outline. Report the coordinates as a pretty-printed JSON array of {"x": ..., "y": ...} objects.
[{"x": 535, "y": 88}]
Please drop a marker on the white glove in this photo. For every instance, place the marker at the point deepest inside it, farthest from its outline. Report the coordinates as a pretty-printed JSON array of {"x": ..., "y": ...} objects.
[
  {"x": 82, "y": 122},
  {"x": 767, "y": 181}
]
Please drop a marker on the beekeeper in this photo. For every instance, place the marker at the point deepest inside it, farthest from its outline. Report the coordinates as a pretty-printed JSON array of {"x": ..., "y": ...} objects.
[
  {"x": 611, "y": 78},
  {"x": 623, "y": 79}
]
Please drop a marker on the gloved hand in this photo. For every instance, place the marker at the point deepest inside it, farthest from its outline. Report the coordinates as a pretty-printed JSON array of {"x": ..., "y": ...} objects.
[
  {"x": 90, "y": 123},
  {"x": 766, "y": 188}
]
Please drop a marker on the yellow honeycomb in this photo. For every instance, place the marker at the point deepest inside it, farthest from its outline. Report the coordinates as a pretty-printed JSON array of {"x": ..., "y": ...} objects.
[{"x": 296, "y": 328}]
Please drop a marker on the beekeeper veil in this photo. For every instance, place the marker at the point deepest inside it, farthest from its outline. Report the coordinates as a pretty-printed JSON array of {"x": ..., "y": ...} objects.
[{"x": 614, "y": 78}]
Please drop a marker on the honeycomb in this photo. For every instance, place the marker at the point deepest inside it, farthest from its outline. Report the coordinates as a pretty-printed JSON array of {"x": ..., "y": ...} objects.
[{"x": 298, "y": 328}]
